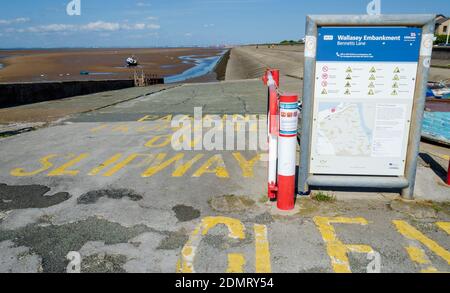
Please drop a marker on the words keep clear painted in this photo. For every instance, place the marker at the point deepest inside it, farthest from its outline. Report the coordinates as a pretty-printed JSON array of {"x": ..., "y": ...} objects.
[{"x": 364, "y": 87}]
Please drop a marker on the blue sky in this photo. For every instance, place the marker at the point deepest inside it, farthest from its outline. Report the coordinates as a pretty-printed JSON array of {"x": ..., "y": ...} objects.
[{"x": 148, "y": 23}]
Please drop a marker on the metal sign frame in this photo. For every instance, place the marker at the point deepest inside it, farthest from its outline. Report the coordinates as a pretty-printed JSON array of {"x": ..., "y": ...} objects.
[{"x": 405, "y": 183}]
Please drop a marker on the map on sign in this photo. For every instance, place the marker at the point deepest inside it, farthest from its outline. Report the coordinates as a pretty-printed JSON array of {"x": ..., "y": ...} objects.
[
  {"x": 363, "y": 96},
  {"x": 343, "y": 129}
]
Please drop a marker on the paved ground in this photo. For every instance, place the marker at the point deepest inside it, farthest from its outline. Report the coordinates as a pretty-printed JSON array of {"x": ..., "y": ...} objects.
[{"x": 107, "y": 185}]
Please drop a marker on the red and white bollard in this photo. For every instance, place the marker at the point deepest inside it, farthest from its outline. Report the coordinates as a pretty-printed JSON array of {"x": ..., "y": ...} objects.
[
  {"x": 271, "y": 79},
  {"x": 287, "y": 151},
  {"x": 282, "y": 119}
]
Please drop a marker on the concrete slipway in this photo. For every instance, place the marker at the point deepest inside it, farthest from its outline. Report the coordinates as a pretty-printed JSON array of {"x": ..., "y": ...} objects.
[{"x": 103, "y": 181}]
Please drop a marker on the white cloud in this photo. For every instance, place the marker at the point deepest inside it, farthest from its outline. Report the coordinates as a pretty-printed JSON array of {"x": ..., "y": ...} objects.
[
  {"x": 97, "y": 26},
  {"x": 188, "y": 35},
  {"x": 143, "y": 4},
  {"x": 140, "y": 26},
  {"x": 153, "y": 26},
  {"x": 101, "y": 26},
  {"x": 14, "y": 21},
  {"x": 209, "y": 25},
  {"x": 151, "y": 18},
  {"x": 47, "y": 28}
]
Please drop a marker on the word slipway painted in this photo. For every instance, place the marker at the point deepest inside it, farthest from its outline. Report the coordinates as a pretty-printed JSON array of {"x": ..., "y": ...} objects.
[{"x": 150, "y": 164}]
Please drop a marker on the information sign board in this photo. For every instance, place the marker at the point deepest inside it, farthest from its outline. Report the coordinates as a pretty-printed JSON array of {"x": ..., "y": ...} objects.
[{"x": 365, "y": 81}]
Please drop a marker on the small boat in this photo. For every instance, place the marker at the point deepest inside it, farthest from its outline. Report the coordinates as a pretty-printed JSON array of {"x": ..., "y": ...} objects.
[
  {"x": 439, "y": 90},
  {"x": 132, "y": 61},
  {"x": 436, "y": 121}
]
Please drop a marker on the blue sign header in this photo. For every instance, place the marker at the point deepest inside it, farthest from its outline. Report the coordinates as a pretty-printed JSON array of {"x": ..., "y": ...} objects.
[{"x": 369, "y": 44}]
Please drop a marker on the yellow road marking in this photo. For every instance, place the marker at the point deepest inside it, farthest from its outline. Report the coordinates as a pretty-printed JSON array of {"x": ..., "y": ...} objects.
[
  {"x": 235, "y": 227},
  {"x": 429, "y": 270},
  {"x": 337, "y": 250},
  {"x": 46, "y": 165},
  {"x": 181, "y": 168},
  {"x": 262, "y": 252},
  {"x": 105, "y": 164},
  {"x": 63, "y": 170},
  {"x": 236, "y": 263},
  {"x": 412, "y": 233},
  {"x": 445, "y": 157},
  {"x": 166, "y": 139},
  {"x": 444, "y": 226},
  {"x": 98, "y": 128},
  {"x": 148, "y": 118},
  {"x": 246, "y": 166},
  {"x": 186, "y": 263},
  {"x": 181, "y": 140},
  {"x": 220, "y": 169},
  {"x": 121, "y": 128},
  {"x": 143, "y": 129},
  {"x": 417, "y": 255},
  {"x": 159, "y": 165},
  {"x": 213, "y": 165},
  {"x": 167, "y": 118},
  {"x": 236, "y": 230},
  {"x": 119, "y": 166}
]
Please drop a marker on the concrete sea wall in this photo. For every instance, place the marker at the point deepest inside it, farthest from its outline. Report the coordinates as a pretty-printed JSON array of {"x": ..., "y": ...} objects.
[{"x": 14, "y": 94}]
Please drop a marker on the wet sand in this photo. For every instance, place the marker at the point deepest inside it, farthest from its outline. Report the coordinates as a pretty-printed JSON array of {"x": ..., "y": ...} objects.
[{"x": 66, "y": 64}]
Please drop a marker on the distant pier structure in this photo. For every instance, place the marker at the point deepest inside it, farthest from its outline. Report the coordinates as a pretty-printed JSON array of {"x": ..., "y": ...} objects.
[{"x": 142, "y": 79}]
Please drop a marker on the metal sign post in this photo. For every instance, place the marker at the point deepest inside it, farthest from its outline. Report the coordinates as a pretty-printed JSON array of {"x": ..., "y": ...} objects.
[{"x": 363, "y": 100}]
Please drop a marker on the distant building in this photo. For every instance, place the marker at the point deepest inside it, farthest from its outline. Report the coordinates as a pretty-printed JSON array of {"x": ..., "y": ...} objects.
[{"x": 442, "y": 25}]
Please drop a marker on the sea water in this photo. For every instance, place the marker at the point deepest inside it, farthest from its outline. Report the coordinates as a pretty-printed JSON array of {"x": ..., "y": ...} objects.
[{"x": 203, "y": 65}]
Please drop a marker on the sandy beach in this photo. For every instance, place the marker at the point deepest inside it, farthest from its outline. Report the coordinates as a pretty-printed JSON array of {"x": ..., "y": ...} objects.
[{"x": 66, "y": 64}]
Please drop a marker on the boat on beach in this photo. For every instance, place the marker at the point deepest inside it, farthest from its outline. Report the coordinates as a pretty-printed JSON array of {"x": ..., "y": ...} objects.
[
  {"x": 439, "y": 90},
  {"x": 132, "y": 61},
  {"x": 436, "y": 122}
]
